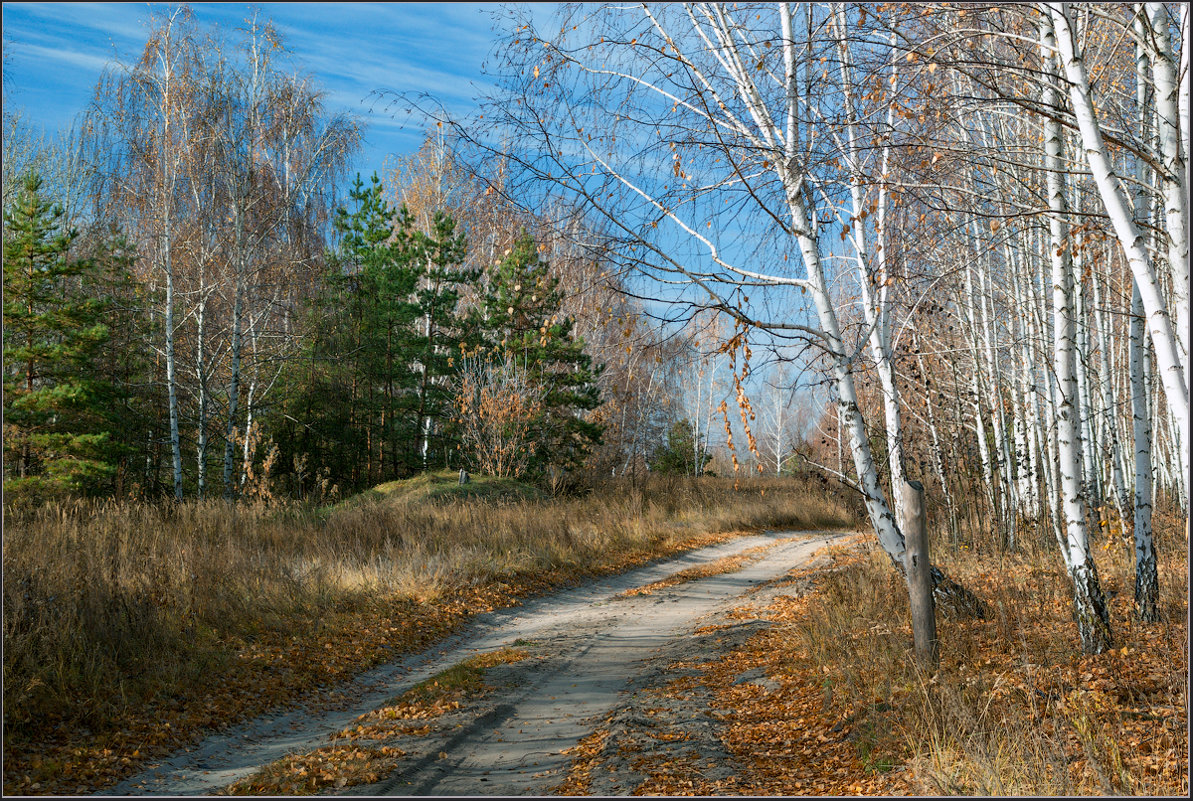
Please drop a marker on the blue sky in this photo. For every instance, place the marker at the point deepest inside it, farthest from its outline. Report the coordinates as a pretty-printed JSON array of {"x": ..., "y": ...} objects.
[{"x": 54, "y": 54}]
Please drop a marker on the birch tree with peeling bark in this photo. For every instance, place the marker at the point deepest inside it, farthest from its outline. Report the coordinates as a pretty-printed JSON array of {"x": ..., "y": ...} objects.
[
  {"x": 1093, "y": 620},
  {"x": 1171, "y": 365},
  {"x": 674, "y": 126}
]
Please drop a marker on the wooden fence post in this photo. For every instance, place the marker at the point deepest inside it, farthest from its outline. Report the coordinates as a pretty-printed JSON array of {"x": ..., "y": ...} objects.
[{"x": 919, "y": 576}]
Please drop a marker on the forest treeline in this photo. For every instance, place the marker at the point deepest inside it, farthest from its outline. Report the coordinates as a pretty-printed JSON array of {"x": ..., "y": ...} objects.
[
  {"x": 191, "y": 311},
  {"x": 971, "y": 220},
  {"x": 965, "y": 227}
]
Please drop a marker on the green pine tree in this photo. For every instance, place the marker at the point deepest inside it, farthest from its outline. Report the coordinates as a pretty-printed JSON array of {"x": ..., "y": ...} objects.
[
  {"x": 57, "y": 425},
  {"x": 440, "y": 330},
  {"x": 132, "y": 397},
  {"x": 677, "y": 456},
  {"x": 523, "y": 320},
  {"x": 346, "y": 401}
]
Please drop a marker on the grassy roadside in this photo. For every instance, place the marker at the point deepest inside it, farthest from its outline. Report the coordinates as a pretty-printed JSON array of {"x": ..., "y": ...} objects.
[
  {"x": 131, "y": 629},
  {"x": 1015, "y": 709}
]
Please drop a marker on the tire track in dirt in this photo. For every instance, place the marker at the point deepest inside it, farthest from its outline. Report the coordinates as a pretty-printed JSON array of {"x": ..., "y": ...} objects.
[{"x": 591, "y": 647}]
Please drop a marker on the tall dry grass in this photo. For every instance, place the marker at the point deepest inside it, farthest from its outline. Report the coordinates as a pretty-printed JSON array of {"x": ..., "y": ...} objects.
[
  {"x": 1015, "y": 708},
  {"x": 111, "y": 606}
]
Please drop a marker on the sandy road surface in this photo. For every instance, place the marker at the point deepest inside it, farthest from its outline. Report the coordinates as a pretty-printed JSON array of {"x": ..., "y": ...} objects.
[{"x": 591, "y": 646}]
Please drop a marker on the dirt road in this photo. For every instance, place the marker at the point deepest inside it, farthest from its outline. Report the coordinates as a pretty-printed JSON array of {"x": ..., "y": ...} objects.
[{"x": 593, "y": 646}]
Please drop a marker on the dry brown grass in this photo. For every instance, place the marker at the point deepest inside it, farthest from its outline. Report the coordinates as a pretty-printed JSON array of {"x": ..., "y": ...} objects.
[
  {"x": 1015, "y": 708},
  {"x": 128, "y": 628}
]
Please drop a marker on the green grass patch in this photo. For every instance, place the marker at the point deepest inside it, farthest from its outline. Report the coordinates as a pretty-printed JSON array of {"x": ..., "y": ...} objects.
[{"x": 443, "y": 486}]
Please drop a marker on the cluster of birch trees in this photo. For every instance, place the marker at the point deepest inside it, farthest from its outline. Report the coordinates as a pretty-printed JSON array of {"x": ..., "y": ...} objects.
[
  {"x": 971, "y": 219},
  {"x": 218, "y": 162},
  {"x": 968, "y": 225},
  {"x": 239, "y": 322}
]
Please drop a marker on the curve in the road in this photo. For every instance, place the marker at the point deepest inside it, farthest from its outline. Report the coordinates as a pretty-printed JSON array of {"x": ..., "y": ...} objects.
[{"x": 593, "y": 638}]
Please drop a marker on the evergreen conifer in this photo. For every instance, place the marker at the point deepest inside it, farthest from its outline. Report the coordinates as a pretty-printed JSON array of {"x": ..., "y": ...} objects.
[
  {"x": 57, "y": 404},
  {"x": 524, "y": 322}
]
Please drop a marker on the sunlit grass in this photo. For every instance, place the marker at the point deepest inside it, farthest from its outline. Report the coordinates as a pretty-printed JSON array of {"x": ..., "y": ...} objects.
[
  {"x": 1016, "y": 708},
  {"x": 113, "y": 609}
]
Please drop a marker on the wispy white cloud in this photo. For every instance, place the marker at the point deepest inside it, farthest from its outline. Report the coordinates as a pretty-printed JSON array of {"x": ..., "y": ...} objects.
[
  {"x": 360, "y": 54},
  {"x": 111, "y": 21},
  {"x": 72, "y": 58}
]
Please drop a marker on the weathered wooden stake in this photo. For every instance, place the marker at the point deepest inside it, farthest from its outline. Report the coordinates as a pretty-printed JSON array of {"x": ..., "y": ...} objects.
[{"x": 919, "y": 576}]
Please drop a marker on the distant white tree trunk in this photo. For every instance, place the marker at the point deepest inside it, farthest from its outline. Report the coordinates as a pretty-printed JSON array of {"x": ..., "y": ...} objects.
[
  {"x": 171, "y": 361},
  {"x": 969, "y": 319},
  {"x": 1109, "y": 405},
  {"x": 778, "y": 420},
  {"x": 201, "y": 380},
  {"x": 208, "y": 225},
  {"x": 238, "y": 259},
  {"x": 1146, "y": 577},
  {"x": 168, "y": 156},
  {"x": 1045, "y": 393},
  {"x": 1025, "y": 422},
  {"x": 1089, "y": 446},
  {"x": 1007, "y": 510}
]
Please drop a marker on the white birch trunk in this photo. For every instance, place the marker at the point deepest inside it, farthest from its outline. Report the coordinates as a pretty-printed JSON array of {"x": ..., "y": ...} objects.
[
  {"x": 780, "y": 430},
  {"x": 1022, "y": 405},
  {"x": 246, "y": 449},
  {"x": 1174, "y": 443},
  {"x": 1006, "y": 493},
  {"x": 201, "y": 380},
  {"x": 1109, "y": 406},
  {"x": 875, "y": 304},
  {"x": 237, "y": 345},
  {"x": 167, "y": 162},
  {"x": 1045, "y": 394},
  {"x": 171, "y": 364},
  {"x": 1146, "y": 577},
  {"x": 1089, "y": 468},
  {"x": 1093, "y": 621},
  {"x": 1168, "y": 357},
  {"x": 975, "y": 387},
  {"x": 1172, "y": 179},
  {"x": 881, "y": 518},
  {"x": 1183, "y": 97}
]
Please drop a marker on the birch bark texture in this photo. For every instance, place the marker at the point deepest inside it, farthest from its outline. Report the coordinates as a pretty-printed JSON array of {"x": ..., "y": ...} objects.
[
  {"x": 1093, "y": 619},
  {"x": 1169, "y": 362}
]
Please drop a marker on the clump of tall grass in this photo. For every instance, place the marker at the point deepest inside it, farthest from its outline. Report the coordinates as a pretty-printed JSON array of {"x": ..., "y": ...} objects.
[
  {"x": 108, "y": 605},
  {"x": 1015, "y": 708}
]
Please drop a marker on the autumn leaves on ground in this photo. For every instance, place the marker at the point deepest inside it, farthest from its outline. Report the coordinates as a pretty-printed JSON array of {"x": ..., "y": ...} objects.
[
  {"x": 129, "y": 631},
  {"x": 841, "y": 709},
  {"x": 1015, "y": 708}
]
